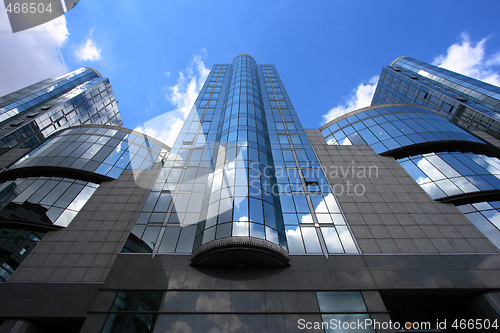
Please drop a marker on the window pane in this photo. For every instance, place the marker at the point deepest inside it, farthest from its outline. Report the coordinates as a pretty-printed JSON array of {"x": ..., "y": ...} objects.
[
  {"x": 311, "y": 240},
  {"x": 340, "y": 301}
]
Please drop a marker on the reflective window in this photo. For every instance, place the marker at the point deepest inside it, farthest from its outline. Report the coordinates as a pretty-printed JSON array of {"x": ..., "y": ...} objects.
[
  {"x": 138, "y": 309},
  {"x": 451, "y": 173},
  {"x": 340, "y": 301},
  {"x": 486, "y": 217},
  {"x": 84, "y": 148},
  {"x": 77, "y": 98},
  {"x": 44, "y": 200},
  {"x": 15, "y": 245},
  {"x": 383, "y": 136},
  {"x": 463, "y": 100},
  {"x": 343, "y": 304}
]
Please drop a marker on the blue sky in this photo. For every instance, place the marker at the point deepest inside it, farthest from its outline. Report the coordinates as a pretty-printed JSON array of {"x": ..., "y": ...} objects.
[{"x": 328, "y": 53}]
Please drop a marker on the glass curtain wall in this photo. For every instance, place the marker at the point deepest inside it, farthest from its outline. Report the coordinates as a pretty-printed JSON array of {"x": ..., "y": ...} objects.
[
  {"x": 242, "y": 167},
  {"x": 243, "y": 176}
]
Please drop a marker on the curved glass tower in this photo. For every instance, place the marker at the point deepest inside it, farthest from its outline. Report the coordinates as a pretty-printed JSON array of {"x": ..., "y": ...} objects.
[
  {"x": 465, "y": 101},
  {"x": 477, "y": 91},
  {"x": 242, "y": 183},
  {"x": 30, "y": 115},
  {"x": 243, "y": 177}
]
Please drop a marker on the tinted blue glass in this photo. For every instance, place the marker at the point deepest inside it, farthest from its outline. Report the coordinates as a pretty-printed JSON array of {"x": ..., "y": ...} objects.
[
  {"x": 340, "y": 301},
  {"x": 301, "y": 203},
  {"x": 253, "y": 108},
  {"x": 401, "y": 132}
]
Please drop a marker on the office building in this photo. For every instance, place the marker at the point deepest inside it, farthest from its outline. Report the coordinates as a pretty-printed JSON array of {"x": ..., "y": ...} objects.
[
  {"x": 60, "y": 139},
  {"x": 467, "y": 102},
  {"x": 251, "y": 223},
  {"x": 30, "y": 115},
  {"x": 450, "y": 164}
]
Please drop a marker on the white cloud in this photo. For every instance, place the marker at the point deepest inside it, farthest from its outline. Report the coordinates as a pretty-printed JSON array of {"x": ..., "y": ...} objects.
[
  {"x": 167, "y": 126},
  {"x": 469, "y": 58},
  {"x": 360, "y": 97},
  {"x": 88, "y": 51},
  {"x": 189, "y": 83},
  {"x": 31, "y": 55}
]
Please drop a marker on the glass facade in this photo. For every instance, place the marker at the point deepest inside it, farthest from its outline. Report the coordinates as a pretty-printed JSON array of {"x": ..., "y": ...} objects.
[
  {"x": 314, "y": 221},
  {"x": 95, "y": 150},
  {"x": 447, "y": 174},
  {"x": 40, "y": 203},
  {"x": 243, "y": 176},
  {"x": 467, "y": 102},
  {"x": 389, "y": 127},
  {"x": 78, "y": 98},
  {"x": 102, "y": 150},
  {"x": 243, "y": 154},
  {"x": 38, "y": 93},
  {"x": 169, "y": 217},
  {"x": 123, "y": 318},
  {"x": 241, "y": 311},
  {"x": 448, "y": 162},
  {"x": 44, "y": 200},
  {"x": 486, "y": 217},
  {"x": 339, "y": 307},
  {"x": 15, "y": 245},
  {"x": 477, "y": 91}
]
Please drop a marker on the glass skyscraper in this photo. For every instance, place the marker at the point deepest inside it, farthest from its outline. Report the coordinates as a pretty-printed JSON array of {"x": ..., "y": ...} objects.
[
  {"x": 242, "y": 174},
  {"x": 30, "y": 115},
  {"x": 386, "y": 216},
  {"x": 467, "y": 102}
]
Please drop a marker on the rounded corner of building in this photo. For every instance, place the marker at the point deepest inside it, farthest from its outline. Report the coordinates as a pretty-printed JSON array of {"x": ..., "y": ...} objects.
[
  {"x": 397, "y": 59},
  {"x": 95, "y": 71},
  {"x": 346, "y": 115},
  {"x": 244, "y": 54}
]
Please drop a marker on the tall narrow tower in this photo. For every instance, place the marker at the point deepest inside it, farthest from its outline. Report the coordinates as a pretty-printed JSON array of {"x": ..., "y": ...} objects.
[
  {"x": 242, "y": 184},
  {"x": 243, "y": 214}
]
